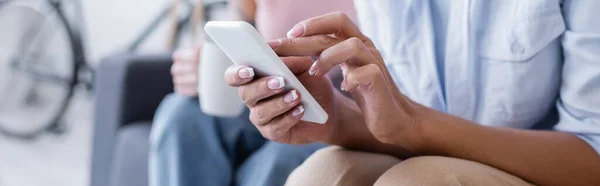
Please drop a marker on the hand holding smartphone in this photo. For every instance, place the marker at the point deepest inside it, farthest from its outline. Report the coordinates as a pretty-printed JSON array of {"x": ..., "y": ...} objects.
[{"x": 245, "y": 46}]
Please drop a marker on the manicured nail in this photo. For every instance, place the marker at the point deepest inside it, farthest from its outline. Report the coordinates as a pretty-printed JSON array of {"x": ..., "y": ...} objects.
[
  {"x": 290, "y": 96},
  {"x": 276, "y": 83},
  {"x": 343, "y": 85},
  {"x": 313, "y": 69},
  {"x": 298, "y": 111},
  {"x": 274, "y": 44},
  {"x": 246, "y": 73},
  {"x": 297, "y": 31}
]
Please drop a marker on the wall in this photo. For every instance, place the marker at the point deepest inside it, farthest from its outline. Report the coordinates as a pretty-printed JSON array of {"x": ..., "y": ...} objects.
[{"x": 111, "y": 25}]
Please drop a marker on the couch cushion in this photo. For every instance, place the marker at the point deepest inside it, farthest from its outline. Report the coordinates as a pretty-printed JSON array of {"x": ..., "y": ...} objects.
[{"x": 130, "y": 163}]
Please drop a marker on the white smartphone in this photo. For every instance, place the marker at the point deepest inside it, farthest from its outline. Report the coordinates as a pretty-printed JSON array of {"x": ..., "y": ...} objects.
[{"x": 245, "y": 46}]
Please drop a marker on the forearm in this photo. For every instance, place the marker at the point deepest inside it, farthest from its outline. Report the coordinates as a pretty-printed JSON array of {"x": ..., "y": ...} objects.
[
  {"x": 540, "y": 157},
  {"x": 352, "y": 132}
]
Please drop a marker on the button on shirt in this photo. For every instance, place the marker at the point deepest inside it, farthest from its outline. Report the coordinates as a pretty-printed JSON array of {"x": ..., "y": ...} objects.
[{"x": 505, "y": 63}]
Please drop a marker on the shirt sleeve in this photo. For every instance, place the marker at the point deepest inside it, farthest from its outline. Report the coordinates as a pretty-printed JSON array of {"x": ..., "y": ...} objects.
[{"x": 579, "y": 101}]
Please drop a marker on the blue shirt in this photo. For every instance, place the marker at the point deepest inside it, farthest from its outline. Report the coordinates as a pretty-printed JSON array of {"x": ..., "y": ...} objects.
[{"x": 505, "y": 63}]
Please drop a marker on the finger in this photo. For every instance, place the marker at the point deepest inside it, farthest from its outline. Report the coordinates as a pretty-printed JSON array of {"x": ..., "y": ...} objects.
[
  {"x": 352, "y": 52},
  {"x": 186, "y": 54},
  {"x": 174, "y": 69},
  {"x": 237, "y": 75},
  {"x": 265, "y": 111},
  {"x": 372, "y": 93},
  {"x": 185, "y": 79},
  {"x": 186, "y": 90},
  {"x": 186, "y": 86},
  {"x": 260, "y": 89},
  {"x": 304, "y": 46},
  {"x": 280, "y": 126},
  {"x": 184, "y": 68},
  {"x": 369, "y": 77},
  {"x": 297, "y": 65},
  {"x": 337, "y": 23}
]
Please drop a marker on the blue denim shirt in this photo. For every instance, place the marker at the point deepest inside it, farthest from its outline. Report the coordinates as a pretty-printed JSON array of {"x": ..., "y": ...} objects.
[{"x": 505, "y": 63}]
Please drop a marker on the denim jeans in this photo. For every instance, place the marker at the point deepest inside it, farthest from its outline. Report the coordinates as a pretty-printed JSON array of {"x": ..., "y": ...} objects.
[{"x": 188, "y": 147}]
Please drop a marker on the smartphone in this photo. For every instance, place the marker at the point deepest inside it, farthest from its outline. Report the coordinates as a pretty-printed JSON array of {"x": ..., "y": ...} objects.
[{"x": 245, "y": 46}]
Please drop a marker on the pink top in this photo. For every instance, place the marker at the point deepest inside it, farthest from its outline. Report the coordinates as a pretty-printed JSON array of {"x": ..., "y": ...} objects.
[{"x": 274, "y": 18}]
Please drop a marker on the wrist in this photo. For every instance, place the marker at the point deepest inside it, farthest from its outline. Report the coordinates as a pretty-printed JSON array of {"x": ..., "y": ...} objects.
[
  {"x": 412, "y": 131},
  {"x": 416, "y": 137},
  {"x": 351, "y": 132},
  {"x": 426, "y": 128}
]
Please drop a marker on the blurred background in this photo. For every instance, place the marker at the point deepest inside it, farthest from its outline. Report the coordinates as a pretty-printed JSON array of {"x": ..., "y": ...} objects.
[{"x": 47, "y": 75}]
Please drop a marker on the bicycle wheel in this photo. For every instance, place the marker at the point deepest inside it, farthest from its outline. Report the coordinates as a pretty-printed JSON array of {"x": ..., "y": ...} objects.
[{"x": 37, "y": 67}]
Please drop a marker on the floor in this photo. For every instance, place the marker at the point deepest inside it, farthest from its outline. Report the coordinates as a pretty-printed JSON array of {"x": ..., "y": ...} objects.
[{"x": 51, "y": 160}]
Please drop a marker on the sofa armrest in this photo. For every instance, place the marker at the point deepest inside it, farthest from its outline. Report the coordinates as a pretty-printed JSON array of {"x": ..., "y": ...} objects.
[{"x": 128, "y": 88}]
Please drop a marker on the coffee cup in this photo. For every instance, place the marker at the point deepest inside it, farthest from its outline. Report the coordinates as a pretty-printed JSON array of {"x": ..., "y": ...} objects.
[{"x": 216, "y": 97}]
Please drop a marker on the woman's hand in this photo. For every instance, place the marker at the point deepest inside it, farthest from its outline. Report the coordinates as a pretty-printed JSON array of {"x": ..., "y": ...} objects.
[
  {"x": 185, "y": 71},
  {"x": 276, "y": 112},
  {"x": 337, "y": 41}
]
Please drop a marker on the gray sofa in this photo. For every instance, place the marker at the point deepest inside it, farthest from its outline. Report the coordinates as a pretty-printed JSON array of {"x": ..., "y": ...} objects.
[{"x": 129, "y": 88}]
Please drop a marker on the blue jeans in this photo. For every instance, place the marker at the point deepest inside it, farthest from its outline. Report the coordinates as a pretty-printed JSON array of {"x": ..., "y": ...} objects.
[{"x": 188, "y": 147}]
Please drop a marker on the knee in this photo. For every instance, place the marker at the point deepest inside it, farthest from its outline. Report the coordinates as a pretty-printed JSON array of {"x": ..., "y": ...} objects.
[
  {"x": 425, "y": 170},
  {"x": 338, "y": 166},
  {"x": 175, "y": 115}
]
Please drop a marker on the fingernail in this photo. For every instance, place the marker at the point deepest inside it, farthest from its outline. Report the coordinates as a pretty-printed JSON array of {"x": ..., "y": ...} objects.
[
  {"x": 274, "y": 44},
  {"x": 298, "y": 111},
  {"x": 343, "y": 85},
  {"x": 276, "y": 83},
  {"x": 297, "y": 31},
  {"x": 313, "y": 69},
  {"x": 246, "y": 73},
  {"x": 290, "y": 96}
]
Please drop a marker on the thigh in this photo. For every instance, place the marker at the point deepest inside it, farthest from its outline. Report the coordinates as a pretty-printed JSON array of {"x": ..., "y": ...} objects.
[
  {"x": 273, "y": 162},
  {"x": 180, "y": 121},
  {"x": 175, "y": 120},
  {"x": 188, "y": 146},
  {"x": 437, "y": 170},
  {"x": 338, "y": 166}
]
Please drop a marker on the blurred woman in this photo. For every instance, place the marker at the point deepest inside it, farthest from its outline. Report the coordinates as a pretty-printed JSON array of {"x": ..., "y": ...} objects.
[{"x": 189, "y": 147}]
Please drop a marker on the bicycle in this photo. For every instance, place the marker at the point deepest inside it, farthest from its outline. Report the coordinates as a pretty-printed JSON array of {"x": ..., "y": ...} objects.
[
  {"x": 31, "y": 69},
  {"x": 42, "y": 59}
]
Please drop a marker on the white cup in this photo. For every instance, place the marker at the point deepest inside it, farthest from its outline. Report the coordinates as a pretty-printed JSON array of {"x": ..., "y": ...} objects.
[{"x": 216, "y": 97}]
